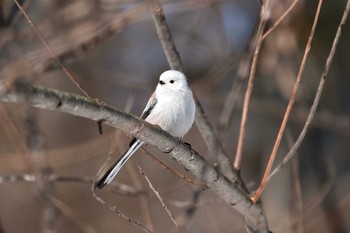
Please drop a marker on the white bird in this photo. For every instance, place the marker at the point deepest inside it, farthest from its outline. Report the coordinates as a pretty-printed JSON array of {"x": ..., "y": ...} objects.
[{"x": 171, "y": 106}]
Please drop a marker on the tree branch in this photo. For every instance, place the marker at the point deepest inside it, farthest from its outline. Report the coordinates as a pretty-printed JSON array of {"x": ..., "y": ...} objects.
[
  {"x": 202, "y": 122},
  {"x": 95, "y": 110}
]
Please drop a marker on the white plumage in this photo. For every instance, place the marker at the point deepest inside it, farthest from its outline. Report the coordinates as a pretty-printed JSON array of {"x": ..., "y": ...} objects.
[{"x": 171, "y": 106}]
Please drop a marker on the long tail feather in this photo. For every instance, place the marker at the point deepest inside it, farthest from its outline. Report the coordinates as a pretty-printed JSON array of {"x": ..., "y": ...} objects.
[{"x": 113, "y": 171}]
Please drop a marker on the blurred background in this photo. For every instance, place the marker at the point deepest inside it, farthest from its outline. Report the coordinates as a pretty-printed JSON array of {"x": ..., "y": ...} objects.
[{"x": 112, "y": 49}]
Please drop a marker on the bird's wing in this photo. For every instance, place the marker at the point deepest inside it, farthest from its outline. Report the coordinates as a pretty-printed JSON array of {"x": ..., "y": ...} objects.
[
  {"x": 148, "y": 109},
  {"x": 150, "y": 105}
]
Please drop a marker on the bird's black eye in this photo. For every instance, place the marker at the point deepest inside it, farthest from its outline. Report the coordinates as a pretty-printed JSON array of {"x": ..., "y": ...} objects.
[
  {"x": 161, "y": 82},
  {"x": 172, "y": 81}
]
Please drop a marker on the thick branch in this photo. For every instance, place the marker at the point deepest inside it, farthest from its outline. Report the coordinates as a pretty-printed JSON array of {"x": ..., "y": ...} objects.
[
  {"x": 190, "y": 159},
  {"x": 202, "y": 122}
]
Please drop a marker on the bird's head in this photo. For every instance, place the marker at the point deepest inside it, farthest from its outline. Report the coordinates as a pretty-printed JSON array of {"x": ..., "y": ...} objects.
[{"x": 173, "y": 80}]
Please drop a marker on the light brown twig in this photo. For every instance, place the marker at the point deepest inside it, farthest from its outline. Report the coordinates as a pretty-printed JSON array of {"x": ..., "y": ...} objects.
[
  {"x": 314, "y": 105},
  {"x": 248, "y": 93},
  {"x": 258, "y": 193}
]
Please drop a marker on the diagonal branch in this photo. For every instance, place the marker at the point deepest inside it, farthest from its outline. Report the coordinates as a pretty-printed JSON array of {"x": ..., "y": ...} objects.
[
  {"x": 202, "y": 122},
  {"x": 190, "y": 159}
]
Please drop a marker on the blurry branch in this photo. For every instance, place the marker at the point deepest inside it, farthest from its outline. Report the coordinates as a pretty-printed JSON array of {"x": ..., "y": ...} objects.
[
  {"x": 313, "y": 108},
  {"x": 13, "y": 16},
  {"x": 259, "y": 191},
  {"x": 13, "y": 133},
  {"x": 40, "y": 61},
  {"x": 52, "y": 51},
  {"x": 190, "y": 159},
  {"x": 169, "y": 169},
  {"x": 144, "y": 207},
  {"x": 297, "y": 195},
  {"x": 40, "y": 167},
  {"x": 202, "y": 121},
  {"x": 158, "y": 196},
  {"x": 165, "y": 37},
  {"x": 264, "y": 16},
  {"x": 191, "y": 208},
  {"x": 278, "y": 21},
  {"x": 145, "y": 210},
  {"x": 119, "y": 188},
  {"x": 142, "y": 200},
  {"x": 117, "y": 211},
  {"x": 324, "y": 188},
  {"x": 234, "y": 94},
  {"x": 72, "y": 215},
  {"x": 2, "y": 23}
]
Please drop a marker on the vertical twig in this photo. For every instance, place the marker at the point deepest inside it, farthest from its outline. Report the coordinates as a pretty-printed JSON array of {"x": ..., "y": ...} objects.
[
  {"x": 37, "y": 157},
  {"x": 289, "y": 107},
  {"x": 314, "y": 106},
  {"x": 263, "y": 20},
  {"x": 297, "y": 197},
  {"x": 202, "y": 121}
]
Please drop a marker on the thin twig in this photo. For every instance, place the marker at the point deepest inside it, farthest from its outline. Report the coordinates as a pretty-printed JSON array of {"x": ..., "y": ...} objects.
[
  {"x": 258, "y": 193},
  {"x": 314, "y": 105},
  {"x": 240, "y": 145},
  {"x": 191, "y": 209},
  {"x": 114, "y": 148},
  {"x": 117, "y": 211},
  {"x": 16, "y": 138},
  {"x": 37, "y": 157},
  {"x": 51, "y": 50},
  {"x": 80, "y": 106},
  {"x": 278, "y": 22},
  {"x": 71, "y": 214},
  {"x": 297, "y": 197},
  {"x": 235, "y": 92},
  {"x": 158, "y": 196},
  {"x": 119, "y": 188},
  {"x": 169, "y": 169}
]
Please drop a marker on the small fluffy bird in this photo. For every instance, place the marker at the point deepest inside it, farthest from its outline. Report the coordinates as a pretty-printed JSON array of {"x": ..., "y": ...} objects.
[{"x": 171, "y": 106}]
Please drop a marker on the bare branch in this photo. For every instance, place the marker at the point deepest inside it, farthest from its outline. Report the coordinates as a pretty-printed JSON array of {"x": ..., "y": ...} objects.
[
  {"x": 289, "y": 107},
  {"x": 72, "y": 215},
  {"x": 117, "y": 211},
  {"x": 314, "y": 106},
  {"x": 158, "y": 196},
  {"x": 263, "y": 20},
  {"x": 39, "y": 61},
  {"x": 190, "y": 159},
  {"x": 52, "y": 52},
  {"x": 37, "y": 158},
  {"x": 202, "y": 121},
  {"x": 278, "y": 22}
]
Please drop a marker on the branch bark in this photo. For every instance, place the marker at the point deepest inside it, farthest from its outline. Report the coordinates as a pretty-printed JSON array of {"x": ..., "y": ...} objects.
[{"x": 95, "y": 110}]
